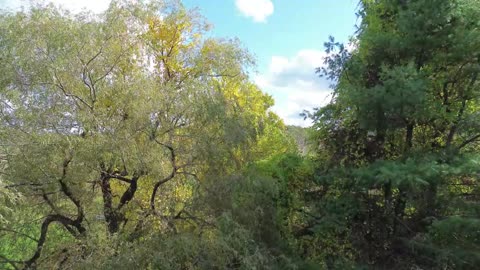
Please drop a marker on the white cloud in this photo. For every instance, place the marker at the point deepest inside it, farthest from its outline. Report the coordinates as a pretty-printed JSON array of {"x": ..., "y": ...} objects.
[
  {"x": 258, "y": 10},
  {"x": 295, "y": 86},
  {"x": 76, "y": 6}
]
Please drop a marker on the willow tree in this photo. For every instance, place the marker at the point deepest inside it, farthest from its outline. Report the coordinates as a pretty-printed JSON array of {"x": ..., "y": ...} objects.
[{"x": 109, "y": 123}]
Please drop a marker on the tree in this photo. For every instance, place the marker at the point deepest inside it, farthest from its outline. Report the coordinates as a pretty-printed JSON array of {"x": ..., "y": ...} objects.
[
  {"x": 398, "y": 140},
  {"x": 110, "y": 123}
]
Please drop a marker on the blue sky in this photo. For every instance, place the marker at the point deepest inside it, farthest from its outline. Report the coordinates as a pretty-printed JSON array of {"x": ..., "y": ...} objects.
[{"x": 285, "y": 36}]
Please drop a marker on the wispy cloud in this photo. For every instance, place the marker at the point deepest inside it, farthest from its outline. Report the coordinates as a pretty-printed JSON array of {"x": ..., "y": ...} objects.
[
  {"x": 258, "y": 10},
  {"x": 295, "y": 86}
]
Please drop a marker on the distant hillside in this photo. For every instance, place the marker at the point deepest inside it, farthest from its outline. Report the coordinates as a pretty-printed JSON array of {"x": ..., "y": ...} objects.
[{"x": 300, "y": 134}]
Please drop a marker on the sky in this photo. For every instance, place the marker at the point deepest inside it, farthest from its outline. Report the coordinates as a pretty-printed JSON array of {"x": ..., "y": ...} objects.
[{"x": 285, "y": 36}]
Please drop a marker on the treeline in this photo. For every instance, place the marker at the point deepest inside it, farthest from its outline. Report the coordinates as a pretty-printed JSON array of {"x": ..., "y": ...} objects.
[{"x": 130, "y": 140}]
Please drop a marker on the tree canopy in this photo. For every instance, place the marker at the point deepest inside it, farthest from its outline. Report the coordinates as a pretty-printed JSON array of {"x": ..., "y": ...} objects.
[
  {"x": 398, "y": 141},
  {"x": 132, "y": 140}
]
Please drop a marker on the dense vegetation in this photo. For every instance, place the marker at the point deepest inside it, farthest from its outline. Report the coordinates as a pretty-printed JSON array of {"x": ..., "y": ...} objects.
[{"x": 130, "y": 140}]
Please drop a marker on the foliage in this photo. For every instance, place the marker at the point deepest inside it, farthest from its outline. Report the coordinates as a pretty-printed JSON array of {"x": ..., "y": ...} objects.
[
  {"x": 397, "y": 144},
  {"x": 111, "y": 136},
  {"x": 131, "y": 140}
]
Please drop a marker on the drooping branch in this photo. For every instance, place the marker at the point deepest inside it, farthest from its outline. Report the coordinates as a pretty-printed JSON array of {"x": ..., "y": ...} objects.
[{"x": 67, "y": 222}]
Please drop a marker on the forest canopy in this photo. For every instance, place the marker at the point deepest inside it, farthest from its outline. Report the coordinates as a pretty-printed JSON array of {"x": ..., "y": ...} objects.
[{"x": 131, "y": 139}]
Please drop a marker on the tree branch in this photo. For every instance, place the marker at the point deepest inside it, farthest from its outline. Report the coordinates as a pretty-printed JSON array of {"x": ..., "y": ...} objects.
[
  {"x": 118, "y": 177},
  {"x": 24, "y": 184},
  {"x": 465, "y": 143},
  {"x": 60, "y": 86},
  {"x": 19, "y": 233},
  {"x": 454, "y": 127},
  {"x": 11, "y": 262},
  {"x": 173, "y": 161},
  {"x": 129, "y": 193},
  {"x": 65, "y": 221},
  {"x": 66, "y": 190}
]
